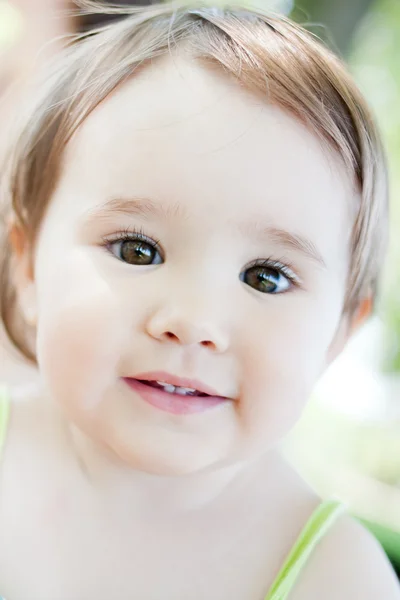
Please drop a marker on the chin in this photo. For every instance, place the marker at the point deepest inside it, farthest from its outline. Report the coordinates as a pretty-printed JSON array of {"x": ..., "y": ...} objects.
[
  {"x": 166, "y": 470},
  {"x": 173, "y": 468},
  {"x": 171, "y": 464}
]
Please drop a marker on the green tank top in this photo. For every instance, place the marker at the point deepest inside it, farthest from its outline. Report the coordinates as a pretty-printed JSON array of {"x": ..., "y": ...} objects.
[{"x": 319, "y": 523}]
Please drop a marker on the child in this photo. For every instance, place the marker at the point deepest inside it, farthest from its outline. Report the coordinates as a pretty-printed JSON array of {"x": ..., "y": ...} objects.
[{"x": 197, "y": 217}]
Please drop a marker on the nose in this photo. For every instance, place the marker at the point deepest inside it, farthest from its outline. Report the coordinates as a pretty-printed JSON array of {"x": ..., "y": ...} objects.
[{"x": 174, "y": 326}]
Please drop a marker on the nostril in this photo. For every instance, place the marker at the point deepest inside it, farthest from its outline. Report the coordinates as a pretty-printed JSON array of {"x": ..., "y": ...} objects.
[
  {"x": 170, "y": 335},
  {"x": 207, "y": 344}
]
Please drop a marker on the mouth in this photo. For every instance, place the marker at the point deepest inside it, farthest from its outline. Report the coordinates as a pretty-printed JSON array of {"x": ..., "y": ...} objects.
[
  {"x": 175, "y": 395},
  {"x": 174, "y": 389}
]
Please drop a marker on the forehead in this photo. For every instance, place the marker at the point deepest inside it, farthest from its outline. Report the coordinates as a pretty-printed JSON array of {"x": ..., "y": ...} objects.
[{"x": 186, "y": 134}]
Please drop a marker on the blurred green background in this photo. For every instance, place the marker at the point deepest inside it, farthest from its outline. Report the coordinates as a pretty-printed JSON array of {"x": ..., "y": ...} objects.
[{"x": 348, "y": 442}]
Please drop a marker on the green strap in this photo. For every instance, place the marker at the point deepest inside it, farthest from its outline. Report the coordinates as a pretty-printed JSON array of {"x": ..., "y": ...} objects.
[
  {"x": 4, "y": 415},
  {"x": 319, "y": 523}
]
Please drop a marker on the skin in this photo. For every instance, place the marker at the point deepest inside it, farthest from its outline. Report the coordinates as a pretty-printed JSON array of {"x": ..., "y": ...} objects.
[
  {"x": 204, "y": 501},
  {"x": 99, "y": 319}
]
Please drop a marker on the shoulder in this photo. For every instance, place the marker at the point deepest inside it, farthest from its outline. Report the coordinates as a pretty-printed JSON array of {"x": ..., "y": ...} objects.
[
  {"x": 30, "y": 442},
  {"x": 28, "y": 467},
  {"x": 348, "y": 563},
  {"x": 18, "y": 423},
  {"x": 24, "y": 417},
  {"x": 31, "y": 428},
  {"x": 21, "y": 436}
]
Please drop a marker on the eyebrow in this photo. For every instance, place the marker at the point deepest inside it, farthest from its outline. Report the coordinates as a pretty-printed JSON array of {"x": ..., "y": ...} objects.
[
  {"x": 147, "y": 209},
  {"x": 142, "y": 207},
  {"x": 287, "y": 239}
]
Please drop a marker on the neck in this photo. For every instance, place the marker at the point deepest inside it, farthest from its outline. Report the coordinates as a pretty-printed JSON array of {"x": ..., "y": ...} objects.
[{"x": 153, "y": 493}]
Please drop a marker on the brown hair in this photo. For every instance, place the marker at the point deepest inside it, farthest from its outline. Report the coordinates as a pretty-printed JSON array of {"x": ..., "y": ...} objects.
[{"x": 268, "y": 54}]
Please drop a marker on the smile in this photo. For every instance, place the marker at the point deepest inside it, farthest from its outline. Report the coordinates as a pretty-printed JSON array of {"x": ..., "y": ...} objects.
[
  {"x": 174, "y": 389},
  {"x": 175, "y": 399}
]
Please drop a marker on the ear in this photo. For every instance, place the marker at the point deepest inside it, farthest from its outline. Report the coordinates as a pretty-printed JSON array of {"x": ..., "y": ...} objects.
[
  {"x": 363, "y": 312},
  {"x": 348, "y": 325},
  {"x": 22, "y": 272}
]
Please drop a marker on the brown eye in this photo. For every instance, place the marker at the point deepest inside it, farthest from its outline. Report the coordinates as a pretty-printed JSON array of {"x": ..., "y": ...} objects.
[
  {"x": 137, "y": 252},
  {"x": 266, "y": 279}
]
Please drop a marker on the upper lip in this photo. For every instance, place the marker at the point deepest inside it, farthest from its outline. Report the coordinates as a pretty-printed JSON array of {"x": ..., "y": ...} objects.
[{"x": 178, "y": 381}]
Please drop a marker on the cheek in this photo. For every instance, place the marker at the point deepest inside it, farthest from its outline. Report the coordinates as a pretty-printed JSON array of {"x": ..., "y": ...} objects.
[
  {"x": 79, "y": 331},
  {"x": 283, "y": 356}
]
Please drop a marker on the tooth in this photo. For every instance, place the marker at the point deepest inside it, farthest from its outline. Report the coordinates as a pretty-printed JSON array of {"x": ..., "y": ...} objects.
[
  {"x": 169, "y": 388},
  {"x": 183, "y": 391}
]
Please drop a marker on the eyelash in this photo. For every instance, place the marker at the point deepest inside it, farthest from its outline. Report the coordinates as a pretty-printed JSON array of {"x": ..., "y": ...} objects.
[
  {"x": 134, "y": 233},
  {"x": 286, "y": 268}
]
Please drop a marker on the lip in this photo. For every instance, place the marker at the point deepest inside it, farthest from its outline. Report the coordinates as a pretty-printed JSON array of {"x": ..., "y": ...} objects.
[
  {"x": 178, "y": 381},
  {"x": 174, "y": 403}
]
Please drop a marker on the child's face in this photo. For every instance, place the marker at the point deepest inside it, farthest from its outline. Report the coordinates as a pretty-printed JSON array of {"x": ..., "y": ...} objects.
[{"x": 222, "y": 169}]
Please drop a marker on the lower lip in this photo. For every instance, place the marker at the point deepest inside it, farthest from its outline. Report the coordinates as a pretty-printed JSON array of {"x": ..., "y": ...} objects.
[{"x": 173, "y": 403}]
